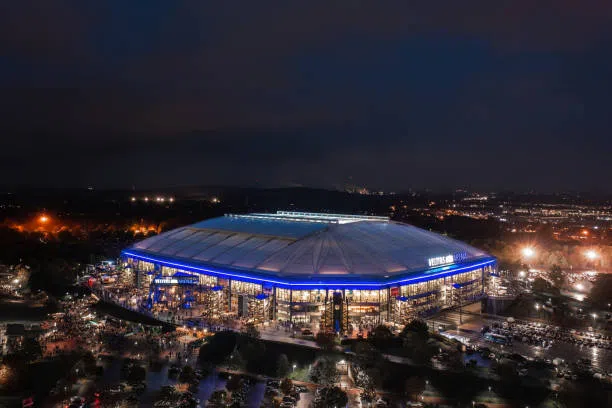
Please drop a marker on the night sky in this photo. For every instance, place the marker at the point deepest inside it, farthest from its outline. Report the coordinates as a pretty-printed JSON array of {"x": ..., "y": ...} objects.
[{"x": 511, "y": 95}]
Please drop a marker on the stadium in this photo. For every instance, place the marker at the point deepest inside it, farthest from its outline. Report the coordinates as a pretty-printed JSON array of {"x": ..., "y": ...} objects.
[{"x": 331, "y": 271}]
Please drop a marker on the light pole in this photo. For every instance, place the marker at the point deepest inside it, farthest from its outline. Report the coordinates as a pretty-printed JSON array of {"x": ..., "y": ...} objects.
[
  {"x": 591, "y": 256},
  {"x": 527, "y": 253}
]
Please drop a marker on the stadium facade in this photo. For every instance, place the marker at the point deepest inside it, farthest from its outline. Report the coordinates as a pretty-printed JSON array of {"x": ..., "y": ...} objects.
[{"x": 334, "y": 271}]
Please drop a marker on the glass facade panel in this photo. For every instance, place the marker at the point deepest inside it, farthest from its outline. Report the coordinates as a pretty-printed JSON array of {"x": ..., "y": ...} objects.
[
  {"x": 207, "y": 280},
  {"x": 308, "y": 296},
  {"x": 363, "y": 296},
  {"x": 245, "y": 288},
  {"x": 283, "y": 294},
  {"x": 358, "y": 307}
]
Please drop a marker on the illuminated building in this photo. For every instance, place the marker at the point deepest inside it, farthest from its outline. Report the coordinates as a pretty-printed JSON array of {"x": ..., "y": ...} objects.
[{"x": 331, "y": 270}]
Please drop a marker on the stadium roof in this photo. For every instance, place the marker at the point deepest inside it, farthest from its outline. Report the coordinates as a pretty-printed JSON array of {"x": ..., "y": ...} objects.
[{"x": 291, "y": 245}]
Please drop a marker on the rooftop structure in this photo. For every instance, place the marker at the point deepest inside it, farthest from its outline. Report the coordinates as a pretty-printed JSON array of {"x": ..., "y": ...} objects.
[{"x": 294, "y": 247}]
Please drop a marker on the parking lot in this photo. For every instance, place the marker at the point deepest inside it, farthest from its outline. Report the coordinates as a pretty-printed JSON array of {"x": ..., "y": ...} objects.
[{"x": 537, "y": 340}]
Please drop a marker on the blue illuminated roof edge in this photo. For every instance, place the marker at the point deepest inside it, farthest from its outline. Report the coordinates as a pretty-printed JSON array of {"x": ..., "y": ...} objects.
[{"x": 296, "y": 283}]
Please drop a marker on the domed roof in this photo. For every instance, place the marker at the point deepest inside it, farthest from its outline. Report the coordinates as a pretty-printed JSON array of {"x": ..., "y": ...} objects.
[{"x": 309, "y": 246}]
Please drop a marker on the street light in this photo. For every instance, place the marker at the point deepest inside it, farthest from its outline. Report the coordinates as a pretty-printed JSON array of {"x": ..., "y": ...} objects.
[
  {"x": 294, "y": 367},
  {"x": 591, "y": 254},
  {"x": 528, "y": 252}
]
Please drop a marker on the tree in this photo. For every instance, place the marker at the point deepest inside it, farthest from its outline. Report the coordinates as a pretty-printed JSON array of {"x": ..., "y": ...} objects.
[
  {"x": 331, "y": 397},
  {"x": 136, "y": 373},
  {"x": 540, "y": 285},
  {"x": 367, "y": 378},
  {"x": 235, "y": 361},
  {"x": 367, "y": 355},
  {"x": 381, "y": 336},
  {"x": 556, "y": 276},
  {"x": 369, "y": 366},
  {"x": 89, "y": 363},
  {"x": 30, "y": 349},
  {"x": 187, "y": 374},
  {"x": 253, "y": 352},
  {"x": 368, "y": 394},
  {"x": 507, "y": 373},
  {"x": 325, "y": 340},
  {"x": 601, "y": 294},
  {"x": 414, "y": 386},
  {"x": 417, "y": 326},
  {"x": 233, "y": 383},
  {"x": 286, "y": 386},
  {"x": 282, "y": 366},
  {"x": 251, "y": 330},
  {"x": 324, "y": 372},
  {"x": 217, "y": 348}
]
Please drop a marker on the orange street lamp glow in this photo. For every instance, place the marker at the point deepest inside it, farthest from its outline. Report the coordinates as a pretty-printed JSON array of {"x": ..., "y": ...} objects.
[
  {"x": 591, "y": 254},
  {"x": 43, "y": 219},
  {"x": 528, "y": 252}
]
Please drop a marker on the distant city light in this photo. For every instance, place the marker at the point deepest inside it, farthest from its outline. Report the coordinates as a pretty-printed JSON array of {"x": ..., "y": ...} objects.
[
  {"x": 133, "y": 199},
  {"x": 43, "y": 219},
  {"x": 528, "y": 252},
  {"x": 591, "y": 254},
  {"x": 579, "y": 286},
  {"x": 594, "y": 316},
  {"x": 522, "y": 274},
  {"x": 146, "y": 198},
  {"x": 171, "y": 199}
]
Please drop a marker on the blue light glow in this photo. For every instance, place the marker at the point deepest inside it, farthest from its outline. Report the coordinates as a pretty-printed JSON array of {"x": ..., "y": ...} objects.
[{"x": 329, "y": 283}]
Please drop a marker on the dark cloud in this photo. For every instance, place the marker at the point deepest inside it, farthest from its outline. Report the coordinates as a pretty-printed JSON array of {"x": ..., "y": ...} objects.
[{"x": 392, "y": 94}]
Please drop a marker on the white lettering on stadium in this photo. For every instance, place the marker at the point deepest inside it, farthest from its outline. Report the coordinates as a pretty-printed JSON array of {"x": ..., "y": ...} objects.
[{"x": 440, "y": 260}]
